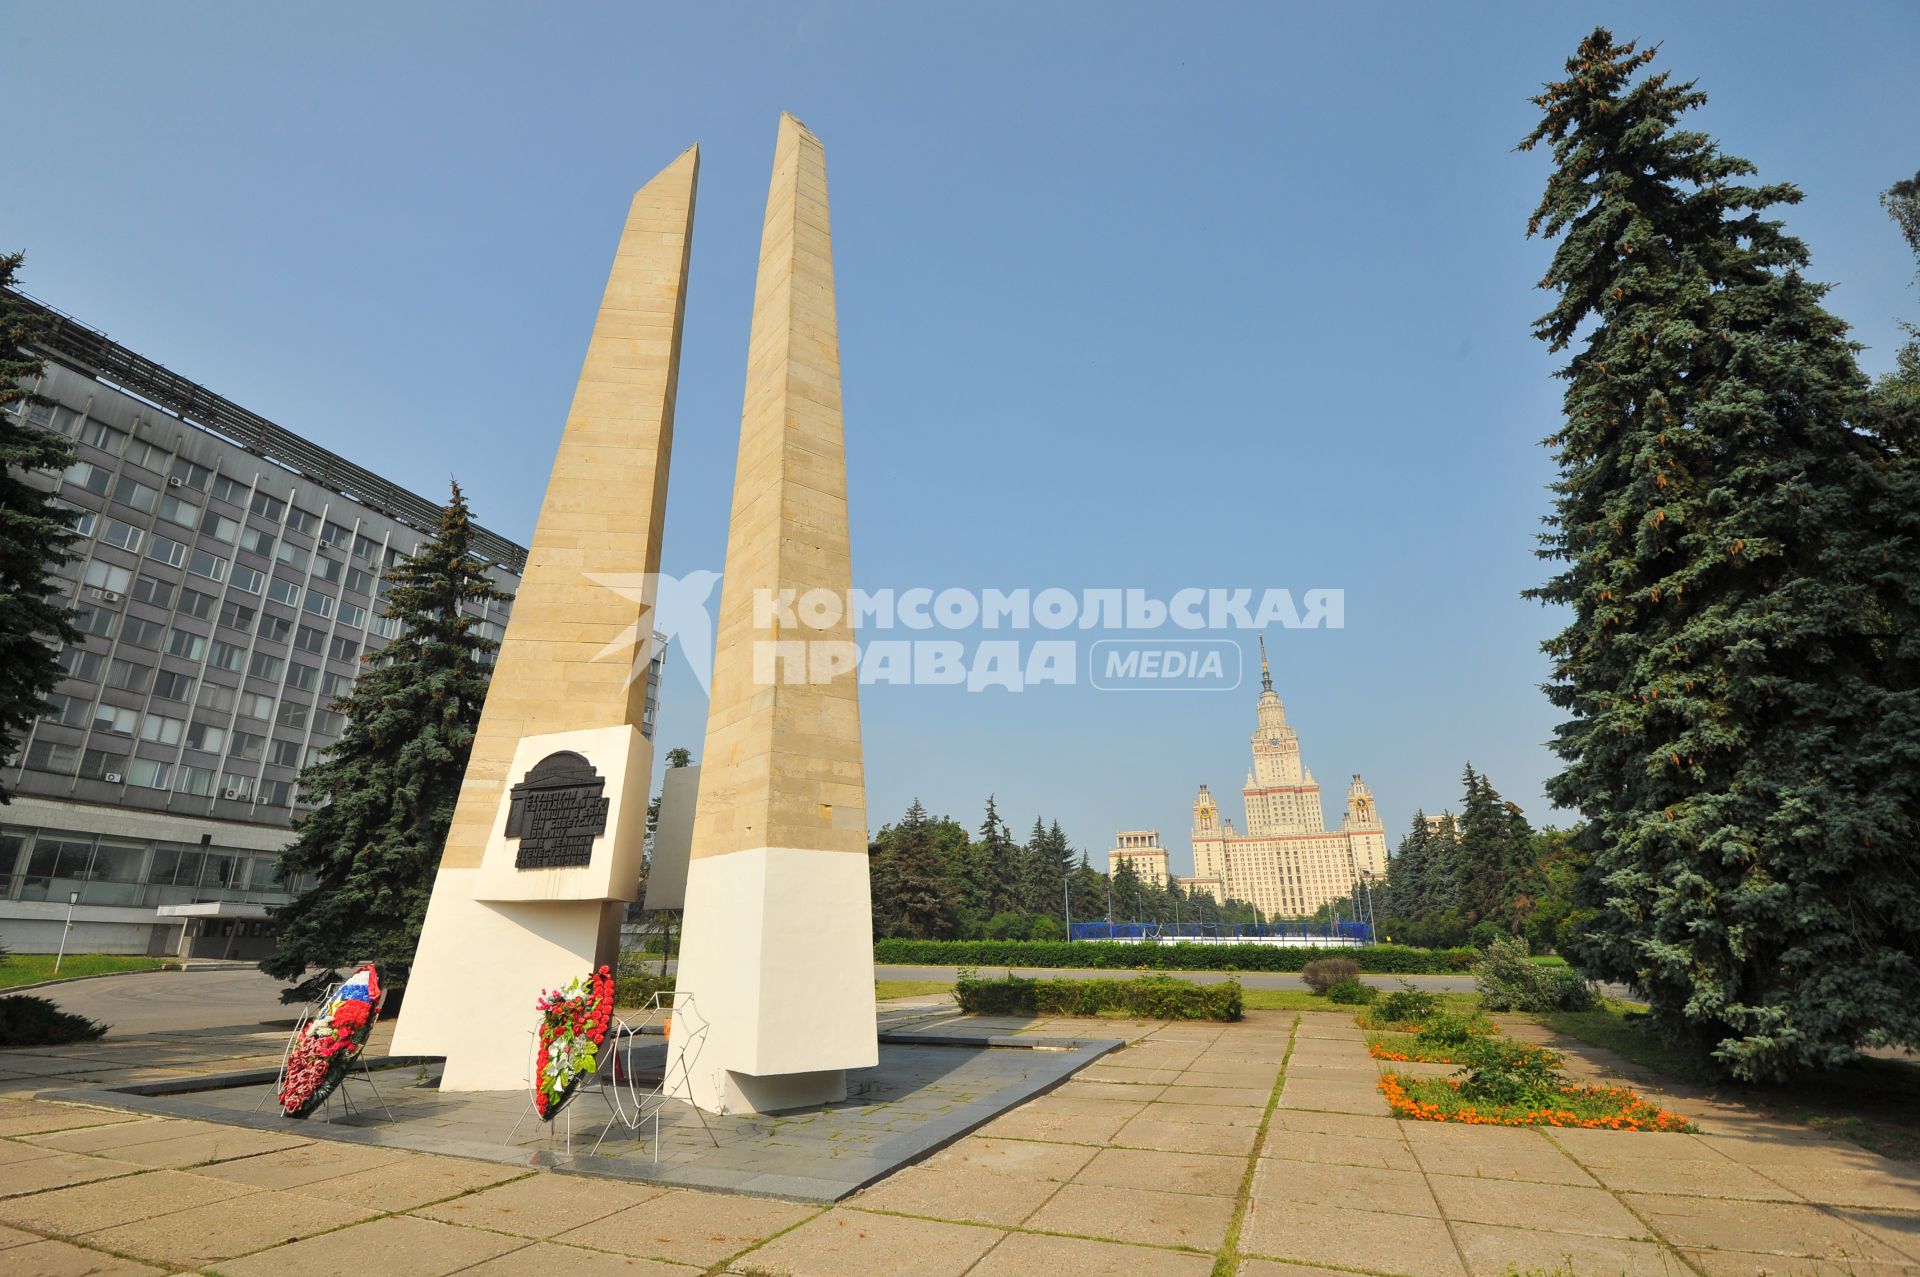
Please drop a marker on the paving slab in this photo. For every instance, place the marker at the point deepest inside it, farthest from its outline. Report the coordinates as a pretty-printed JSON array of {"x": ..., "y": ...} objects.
[
  {"x": 1139, "y": 1215},
  {"x": 689, "y": 1227},
  {"x": 1555, "y": 1208},
  {"x": 1777, "y": 1228},
  {"x": 1732, "y": 1263},
  {"x": 1401, "y": 1245},
  {"x": 1207, "y": 1174},
  {"x": 1495, "y": 1252},
  {"x": 853, "y": 1243},
  {"x": 221, "y": 1230},
  {"x": 307, "y": 1164},
  {"x": 412, "y": 1182},
  {"x": 59, "y": 1170},
  {"x": 63, "y": 1259},
  {"x": 1024, "y": 1159},
  {"x": 394, "y": 1246},
  {"x": 540, "y": 1205},
  {"x": 965, "y": 1194},
  {"x": 1343, "y": 1150},
  {"x": 1492, "y": 1152},
  {"x": 32, "y": 1117},
  {"x": 87, "y": 1208},
  {"x": 548, "y": 1259},
  {"x": 1178, "y": 1136},
  {"x": 1024, "y": 1254}
]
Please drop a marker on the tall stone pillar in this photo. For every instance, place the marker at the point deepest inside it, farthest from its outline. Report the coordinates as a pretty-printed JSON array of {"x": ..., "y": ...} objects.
[
  {"x": 777, "y": 953},
  {"x": 547, "y": 838}
]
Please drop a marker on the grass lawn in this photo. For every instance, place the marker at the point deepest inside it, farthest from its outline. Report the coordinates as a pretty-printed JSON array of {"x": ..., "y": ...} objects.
[
  {"x": 17, "y": 969},
  {"x": 1548, "y": 960},
  {"x": 886, "y": 989},
  {"x": 1874, "y": 1103},
  {"x": 1303, "y": 1000}
]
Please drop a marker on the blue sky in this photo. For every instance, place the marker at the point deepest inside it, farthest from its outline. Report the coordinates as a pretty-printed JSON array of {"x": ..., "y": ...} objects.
[{"x": 1129, "y": 296}]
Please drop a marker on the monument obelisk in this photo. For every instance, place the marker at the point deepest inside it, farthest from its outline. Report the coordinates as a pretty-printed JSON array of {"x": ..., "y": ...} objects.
[
  {"x": 547, "y": 839},
  {"x": 777, "y": 956}
]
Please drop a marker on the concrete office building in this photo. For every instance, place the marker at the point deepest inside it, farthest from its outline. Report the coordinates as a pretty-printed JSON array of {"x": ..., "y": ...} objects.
[{"x": 228, "y": 579}]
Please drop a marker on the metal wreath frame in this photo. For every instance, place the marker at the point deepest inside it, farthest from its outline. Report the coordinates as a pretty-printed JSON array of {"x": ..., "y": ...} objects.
[{"x": 612, "y": 1078}]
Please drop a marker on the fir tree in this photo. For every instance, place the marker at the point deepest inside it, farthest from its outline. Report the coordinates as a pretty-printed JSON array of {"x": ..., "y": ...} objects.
[
  {"x": 386, "y": 790},
  {"x": 1902, "y": 202},
  {"x": 1407, "y": 872},
  {"x": 34, "y": 533},
  {"x": 911, "y": 894},
  {"x": 1737, "y": 550},
  {"x": 999, "y": 864}
]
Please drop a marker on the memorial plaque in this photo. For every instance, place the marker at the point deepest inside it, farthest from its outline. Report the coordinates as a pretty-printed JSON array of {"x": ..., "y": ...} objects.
[{"x": 557, "y": 812}]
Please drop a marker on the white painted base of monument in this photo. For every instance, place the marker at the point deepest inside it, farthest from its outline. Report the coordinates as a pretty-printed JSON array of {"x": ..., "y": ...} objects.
[
  {"x": 787, "y": 995},
  {"x": 496, "y": 937}
]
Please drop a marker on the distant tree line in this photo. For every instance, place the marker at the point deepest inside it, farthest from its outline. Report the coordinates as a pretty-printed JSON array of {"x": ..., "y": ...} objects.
[
  {"x": 933, "y": 880},
  {"x": 1483, "y": 872}
]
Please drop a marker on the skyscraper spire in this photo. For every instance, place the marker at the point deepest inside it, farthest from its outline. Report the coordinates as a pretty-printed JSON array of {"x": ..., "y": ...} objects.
[{"x": 1266, "y": 675}]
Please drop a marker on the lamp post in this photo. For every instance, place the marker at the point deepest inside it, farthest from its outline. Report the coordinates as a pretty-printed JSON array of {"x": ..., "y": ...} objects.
[
  {"x": 1066, "y": 902},
  {"x": 1366, "y": 880},
  {"x": 73, "y": 898}
]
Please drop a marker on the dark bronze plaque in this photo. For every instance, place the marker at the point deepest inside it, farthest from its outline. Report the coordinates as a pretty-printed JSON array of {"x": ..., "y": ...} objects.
[{"x": 557, "y": 812}]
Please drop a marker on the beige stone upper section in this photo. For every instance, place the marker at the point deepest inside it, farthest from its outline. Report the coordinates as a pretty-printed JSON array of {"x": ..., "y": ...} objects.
[
  {"x": 782, "y": 766},
  {"x": 602, "y": 515}
]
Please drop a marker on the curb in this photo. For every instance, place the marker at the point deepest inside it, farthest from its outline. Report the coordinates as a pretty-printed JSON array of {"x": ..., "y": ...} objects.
[{"x": 101, "y": 975}]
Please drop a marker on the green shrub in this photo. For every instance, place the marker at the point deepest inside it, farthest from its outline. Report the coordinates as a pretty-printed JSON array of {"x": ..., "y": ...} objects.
[
  {"x": 1509, "y": 980},
  {"x": 1323, "y": 973},
  {"x": 637, "y": 978},
  {"x": 1153, "y": 997},
  {"x": 29, "y": 1021},
  {"x": 1446, "y": 1030},
  {"x": 1497, "y": 1070},
  {"x": 1111, "y": 955},
  {"x": 1406, "y": 1005},
  {"x": 1351, "y": 992}
]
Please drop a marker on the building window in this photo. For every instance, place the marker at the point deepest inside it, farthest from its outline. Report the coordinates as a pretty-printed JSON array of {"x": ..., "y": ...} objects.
[
  {"x": 256, "y": 705},
  {"x": 236, "y": 787},
  {"x": 162, "y": 730},
  {"x": 271, "y": 508},
  {"x": 167, "y": 551},
  {"x": 353, "y": 616},
  {"x": 96, "y": 621},
  {"x": 131, "y": 492},
  {"x": 220, "y": 527},
  {"x": 359, "y": 581},
  {"x": 334, "y": 686},
  {"x": 141, "y": 633},
  {"x": 274, "y": 629},
  {"x": 129, "y": 676},
  {"x": 216, "y": 698},
  {"x": 320, "y": 605},
  {"x": 171, "y": 685},
  {"x": 343, "y": 649},
  {"x": 115, "y": 719},
  {"x": 230, "y": 490},
  {"x": 247, "y": 747},
  {"x": 310, "y": 639},
  {"x": 149, "y": 773},
  {"x": 283, "y": 592},
  {"x": 68, "y": 711},
  {"x": 303, "y": 677},
  {"x": 102, "y": 575},
  {"x": 194, "y": 780},
  {"x": 150, "y": 589},
  {"x": 191, "y": 475},
  {"x": 329, "y": 570},
  {"x": 285, "y": 753},
  {"x": 206, "y": 563},
  {"x": 267, "y": 667},
  {"x": 207, "y": 737},
  {"x": 52, "y": 756},
  {"x": 227, "y": 656},
  {"x": 302, "y": 521},
  {"x": 293, "y": 715},
  {"x": 237, "y": 616},
  {"x": 80, "y": 519},
  {"x": 124, "y": 535},
  {"x": 334, "y": 534},
  {"x": 179, "y": 510},
  {"x": 197, "y": 605},
  {"x": 293, "y": 556},
  {"x": 329, "y": 723},
  {"x": 92, "y": 478},
  {"x": 99, "y": 764},
  {"x": 276, "y": 793},
  {"x": 246, "y": 578}
]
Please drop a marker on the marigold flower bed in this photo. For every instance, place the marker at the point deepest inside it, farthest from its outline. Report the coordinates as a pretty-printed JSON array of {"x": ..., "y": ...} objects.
[
  {"x": 1405, "y": 1048},
  {"x": 1599, "y": 1108}
]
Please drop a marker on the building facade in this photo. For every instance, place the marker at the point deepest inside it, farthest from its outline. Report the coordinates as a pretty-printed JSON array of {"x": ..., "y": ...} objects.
[
  {"x": 1287, "y": 863},
  {"x": 1141, "y": 849},
  {"x": 229, "y": 579}
]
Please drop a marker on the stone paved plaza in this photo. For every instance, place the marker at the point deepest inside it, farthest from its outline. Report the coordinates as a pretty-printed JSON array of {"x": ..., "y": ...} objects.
[{"x": 1261, "y": 1148}]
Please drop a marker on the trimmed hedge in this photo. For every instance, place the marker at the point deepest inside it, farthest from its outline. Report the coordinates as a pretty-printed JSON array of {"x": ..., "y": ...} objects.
[
  {"x": 26, "y": 1020},
  {"x": 1152, "y": 997},
  {"x": 1107, "y": 955}
]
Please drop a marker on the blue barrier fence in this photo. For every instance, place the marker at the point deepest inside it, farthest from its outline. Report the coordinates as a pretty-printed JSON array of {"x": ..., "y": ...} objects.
[{"x": 1332, "y": 933}]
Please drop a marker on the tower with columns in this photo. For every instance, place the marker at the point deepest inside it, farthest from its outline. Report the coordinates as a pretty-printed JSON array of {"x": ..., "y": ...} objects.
[{"x": 1287, "y": 862}]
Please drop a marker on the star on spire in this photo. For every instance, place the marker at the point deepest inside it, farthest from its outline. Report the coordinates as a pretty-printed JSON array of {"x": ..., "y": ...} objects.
[{"x": 1266, "y": 674}]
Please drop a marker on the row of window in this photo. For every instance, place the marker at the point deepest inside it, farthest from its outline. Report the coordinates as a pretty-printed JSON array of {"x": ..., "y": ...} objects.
[
  {"x": 182, "y": 778},
  {"x": 129, "y": 675},
  {"x": 47, "y": 864}
]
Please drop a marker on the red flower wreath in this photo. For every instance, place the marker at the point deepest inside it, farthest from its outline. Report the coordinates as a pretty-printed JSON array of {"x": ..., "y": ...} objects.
[
  {"x": 328, "y": 1043},
  {"x": 573, "y": 1026}
]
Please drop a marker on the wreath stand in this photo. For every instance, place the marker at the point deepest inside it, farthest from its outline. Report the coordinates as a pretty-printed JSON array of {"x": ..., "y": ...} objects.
[
  {"x": 614, "y": 1081},
  {"x": 357, "y": 1071}
]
